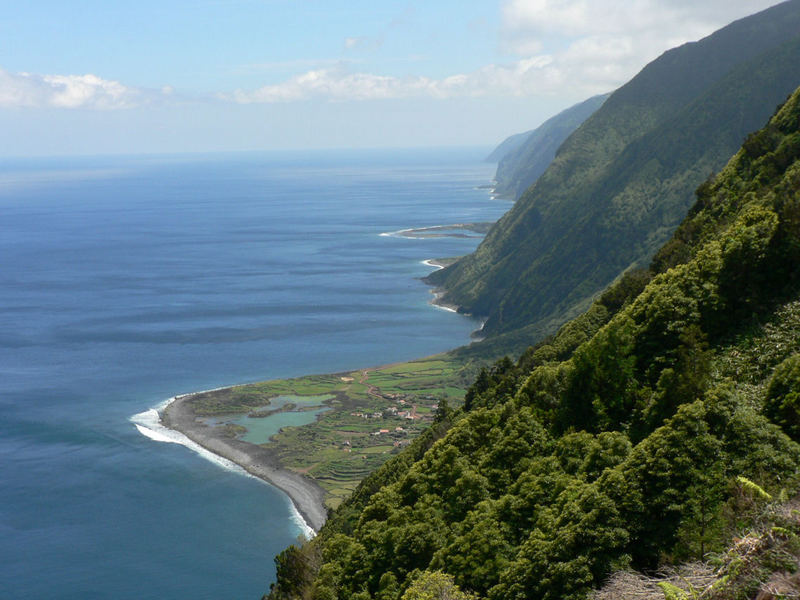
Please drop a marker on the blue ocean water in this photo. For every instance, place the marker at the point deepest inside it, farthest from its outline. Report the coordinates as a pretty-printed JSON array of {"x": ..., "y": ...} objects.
[{"x": 127, "y": 280}]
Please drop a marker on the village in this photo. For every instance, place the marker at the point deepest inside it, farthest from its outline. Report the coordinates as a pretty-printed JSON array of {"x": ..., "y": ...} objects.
[
  {"x": 371, "y": 415},
  {"x": 403, "y": 412}
]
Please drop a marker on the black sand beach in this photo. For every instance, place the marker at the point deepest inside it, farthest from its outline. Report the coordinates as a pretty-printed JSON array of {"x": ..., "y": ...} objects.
[{"x": 306, "y": 495}]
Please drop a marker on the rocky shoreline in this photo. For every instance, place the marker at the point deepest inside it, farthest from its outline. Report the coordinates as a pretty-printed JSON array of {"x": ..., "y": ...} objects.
[{"x": 307, "y": 497}]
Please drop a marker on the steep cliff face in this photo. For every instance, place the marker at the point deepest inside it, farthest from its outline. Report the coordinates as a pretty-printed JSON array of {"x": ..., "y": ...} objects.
[
  {"x": 509, "y": 145},
  {"x": 623, "y": 180},
  {"x": 522, "y": 158},
  {"x": 646, "y": 433}
]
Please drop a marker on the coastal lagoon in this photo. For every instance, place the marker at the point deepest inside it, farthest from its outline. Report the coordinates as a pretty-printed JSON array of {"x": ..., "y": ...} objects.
[
  {"x": 302, "y": 411},
  {"x": 128, "y": 280}
]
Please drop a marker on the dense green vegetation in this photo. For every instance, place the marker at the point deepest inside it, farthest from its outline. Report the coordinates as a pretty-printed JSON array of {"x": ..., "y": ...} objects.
[
  {"x": 656, "y": 428},
  {"x": 623, "y": 181},
  {"x": 522, "y": 158},
  {"x": 761, "y": 563}
]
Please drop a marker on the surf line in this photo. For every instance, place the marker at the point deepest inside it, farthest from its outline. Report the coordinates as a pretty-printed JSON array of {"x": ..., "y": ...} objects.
[{"x": 148, "y": 423}]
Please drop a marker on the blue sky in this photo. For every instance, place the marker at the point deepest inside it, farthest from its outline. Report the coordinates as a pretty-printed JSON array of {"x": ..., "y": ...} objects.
[
  {"x": 208, "y": 45},
  {"x": 116, "y": 76}
]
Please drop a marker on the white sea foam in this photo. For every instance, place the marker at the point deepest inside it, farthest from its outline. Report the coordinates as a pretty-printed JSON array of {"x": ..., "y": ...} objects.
[
  {"x": 476, "y": 335},
  {"x": 154, "y": 435},
  {"x": 307, "y": 531},
  {"x": 148, "y": 423},
  {"x": 447, "y": 308},
  {"x": 402, "y": 233},
  {"x": 408, "y": 233},
  {"x": 429, "y": 263},
  {"x": 434, "y": 302}
]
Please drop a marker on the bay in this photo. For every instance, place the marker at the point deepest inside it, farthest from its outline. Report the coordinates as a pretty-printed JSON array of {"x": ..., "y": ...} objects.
[{"x": 127, "y": 280}]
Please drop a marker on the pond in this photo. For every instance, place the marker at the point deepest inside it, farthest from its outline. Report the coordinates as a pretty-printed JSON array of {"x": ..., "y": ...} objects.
[{"x": 260, "y": 429}]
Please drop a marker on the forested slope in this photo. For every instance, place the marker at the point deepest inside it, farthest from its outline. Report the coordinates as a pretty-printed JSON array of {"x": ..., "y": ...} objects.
[
  {"x": 520, "y": 161},
  {"x": 649, "y": 431},
  {"x": 511, "y": 144},
  {"x": 623, "y": 181}
]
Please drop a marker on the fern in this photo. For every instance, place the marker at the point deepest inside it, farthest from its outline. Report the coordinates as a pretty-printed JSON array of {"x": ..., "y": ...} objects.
[
  {"x": 673, "y": 592},
  {"x": 755, "y": 489}
]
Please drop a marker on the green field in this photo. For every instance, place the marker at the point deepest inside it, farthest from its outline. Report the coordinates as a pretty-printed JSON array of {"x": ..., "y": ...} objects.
[{"x": 345, "y": 443}]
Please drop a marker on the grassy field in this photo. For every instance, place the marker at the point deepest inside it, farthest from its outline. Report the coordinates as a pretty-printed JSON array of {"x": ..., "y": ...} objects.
[{"x": 374, "y": 413}]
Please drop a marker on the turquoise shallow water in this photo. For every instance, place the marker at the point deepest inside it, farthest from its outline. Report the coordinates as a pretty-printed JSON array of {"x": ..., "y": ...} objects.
[
  {"x": 260, "y": 429},
  {"x": 126, "y": 281}
]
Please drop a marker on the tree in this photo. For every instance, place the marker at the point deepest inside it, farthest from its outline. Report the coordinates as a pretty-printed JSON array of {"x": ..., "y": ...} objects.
[
  {"x": 684, "y": 381},
  {"x": 783, "y": 397},
  {"x": 296, "y": 567},
  {"x": 435, "y": 585}
]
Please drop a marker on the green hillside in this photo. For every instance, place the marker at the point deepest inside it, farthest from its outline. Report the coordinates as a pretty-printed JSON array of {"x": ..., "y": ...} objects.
[
  {"x": 658, "y": 428},
  {"x": 624, "y": 180},
  {"x": 511, "y": 144},
  {"x": 523, "y": 158}
]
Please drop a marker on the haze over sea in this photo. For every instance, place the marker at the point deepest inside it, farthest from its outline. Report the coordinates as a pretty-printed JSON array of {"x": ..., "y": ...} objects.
[{"x": 127, "y": 280}]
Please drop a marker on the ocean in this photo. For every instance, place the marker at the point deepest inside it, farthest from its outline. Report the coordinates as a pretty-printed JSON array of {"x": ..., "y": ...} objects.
[{"x": 128, "y": 280}]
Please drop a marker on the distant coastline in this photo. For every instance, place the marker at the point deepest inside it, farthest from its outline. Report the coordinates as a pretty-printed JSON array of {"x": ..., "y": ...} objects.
[
  {"x": 460, "y": 230},
  {"x": 438, "y": 303},
  {"x": 437, "y": 263},
  {"x": 438, "y": 293},
  {"x": 307, "y": 497}
]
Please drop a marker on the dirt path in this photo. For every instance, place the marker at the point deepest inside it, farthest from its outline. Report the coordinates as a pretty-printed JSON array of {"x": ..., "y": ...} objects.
[{"x": 372, "y": 390}]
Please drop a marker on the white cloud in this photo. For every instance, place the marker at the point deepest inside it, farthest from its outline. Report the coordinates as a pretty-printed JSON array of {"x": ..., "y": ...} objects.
[
  {"x": 529, "y": 76},
  {"x": 686, "y": 18},
  {"x": 572, "y": 48},
  {"x": 603, "y": 43},
  {"x": 364, "y": 43},
  {"x": 27, "y": 90},
  {"x": 560, "y": 48},
  {"x": 352, "y": 42},
  {"x": 331, "y": 84},
  {"x": 339, "y": 84}
]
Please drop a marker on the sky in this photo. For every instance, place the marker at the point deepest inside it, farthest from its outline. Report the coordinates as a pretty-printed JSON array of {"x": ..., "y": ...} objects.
[{"x": 160, "y": 76}]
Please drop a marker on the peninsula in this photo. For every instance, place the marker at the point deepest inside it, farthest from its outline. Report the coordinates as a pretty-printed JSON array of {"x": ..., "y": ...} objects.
[
  {"x": 307, "y": 496},
  {"x": 364, "y": 417},
  {"x": 350, "y": 423}
]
